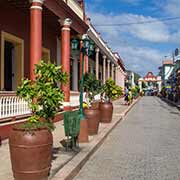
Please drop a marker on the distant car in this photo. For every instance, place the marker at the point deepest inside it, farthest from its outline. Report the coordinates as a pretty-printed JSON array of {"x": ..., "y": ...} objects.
[{"x": 149, "y": 92}]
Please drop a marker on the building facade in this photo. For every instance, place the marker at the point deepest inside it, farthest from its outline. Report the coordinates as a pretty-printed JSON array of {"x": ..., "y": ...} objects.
[
  {"x": 152, "y": 82},
  {"x": 38, "y": 29}
]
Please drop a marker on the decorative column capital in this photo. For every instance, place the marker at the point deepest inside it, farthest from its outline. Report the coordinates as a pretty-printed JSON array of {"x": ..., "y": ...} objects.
[
  {"x": 97, "y": 50},
  {"x": 36, "y": 4},
  {"x": 66, "y": 23},
  {"x": 108, "y": 61},
  {"x": 37, "y": 1},
  {"x": 112, "y": 65},
  {"x": 104, "y": 57}
]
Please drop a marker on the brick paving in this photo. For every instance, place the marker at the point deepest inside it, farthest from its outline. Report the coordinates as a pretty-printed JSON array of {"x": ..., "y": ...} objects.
[{"x": 145, "y": 146}]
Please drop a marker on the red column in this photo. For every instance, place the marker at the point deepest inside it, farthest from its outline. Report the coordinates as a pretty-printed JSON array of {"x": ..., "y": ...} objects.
[
  {"x": 35, "y": 34},
  {"x": 65, "y": 58},
  {"x": 80, "y": 59},
  {"x": 86, "y": 59}
]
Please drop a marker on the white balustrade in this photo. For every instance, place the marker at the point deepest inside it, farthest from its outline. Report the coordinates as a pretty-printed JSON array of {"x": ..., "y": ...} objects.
[
  {"x": 11, "y": 105},
  {"x": 74, "y": 100}
]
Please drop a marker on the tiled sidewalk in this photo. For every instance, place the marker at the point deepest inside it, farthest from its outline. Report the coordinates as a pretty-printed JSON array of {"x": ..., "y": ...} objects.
[{"x": 60, "y": 156}]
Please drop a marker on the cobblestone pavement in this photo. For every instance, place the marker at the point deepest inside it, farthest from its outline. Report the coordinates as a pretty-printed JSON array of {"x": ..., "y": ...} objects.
[{"x": 145, "y": 146}]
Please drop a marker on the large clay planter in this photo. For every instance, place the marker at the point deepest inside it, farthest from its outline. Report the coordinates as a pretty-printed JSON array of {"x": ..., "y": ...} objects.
[
  {"x": 31, "y": 154},
  {"x": 93, "y": 116},
  {"x": 106, "y": 111},
  {"x": 83, "y": 134}
]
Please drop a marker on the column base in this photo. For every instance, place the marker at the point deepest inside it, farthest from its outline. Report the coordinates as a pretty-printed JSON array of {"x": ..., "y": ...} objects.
[
  {"x": 67, "y": 106},
  {"x": 83, "y": 135}
]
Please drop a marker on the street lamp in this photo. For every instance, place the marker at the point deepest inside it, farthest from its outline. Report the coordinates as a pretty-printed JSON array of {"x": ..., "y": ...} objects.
[{"x": 87, "y": 49}]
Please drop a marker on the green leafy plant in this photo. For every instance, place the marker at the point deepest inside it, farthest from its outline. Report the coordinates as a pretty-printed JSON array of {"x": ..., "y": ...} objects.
[
  {"x": 92, "y": 86},
  {"x": 135, "y": 91},
  {"x": 111, "y": 90},
  {"x": 43, "y": 95},
  {"x": 163, "y": 91},
  {"x": 144, "y": 85}
]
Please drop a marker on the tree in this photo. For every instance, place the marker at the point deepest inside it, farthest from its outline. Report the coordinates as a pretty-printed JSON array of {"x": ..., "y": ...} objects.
[{"x": 144, "y": 85}]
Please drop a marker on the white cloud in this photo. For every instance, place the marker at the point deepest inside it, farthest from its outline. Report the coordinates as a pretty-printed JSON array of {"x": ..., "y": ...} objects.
[
  {"x": 132, "y": 41},
  {"x": 138, "y": 59},
  {"x": 132, "y": 1},
  {"x": 153, "y": 32},
  {"x": 172, "y": 7}
]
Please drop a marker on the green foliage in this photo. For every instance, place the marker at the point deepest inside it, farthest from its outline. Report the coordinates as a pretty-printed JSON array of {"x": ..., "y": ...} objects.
[
  {"x": 135, "y": 91},
  {"x": 92, "y": 86},
  {"x": 163, "y": 91},
  {"x": 43, "y": 95},
  {"x": 111, "y": 90},
  {"x": 136, "y": 78},
  {"x": 144, "y": 85}
]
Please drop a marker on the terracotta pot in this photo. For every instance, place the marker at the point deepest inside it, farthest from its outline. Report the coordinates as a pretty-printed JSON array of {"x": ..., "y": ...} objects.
[
  {"x": 93, "y": 116},
  {"x": 83, "y": 134},
  {"x": 31, "y": 154},
  {"x": 95, "y": 105},
  {"x": 106, "y": 111}
]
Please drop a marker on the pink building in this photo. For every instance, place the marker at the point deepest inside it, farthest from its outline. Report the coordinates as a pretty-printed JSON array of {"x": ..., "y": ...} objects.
[{"x": 120, "y": 73}]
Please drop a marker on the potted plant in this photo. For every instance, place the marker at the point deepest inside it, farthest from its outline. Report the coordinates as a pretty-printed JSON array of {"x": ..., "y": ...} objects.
[
  {"x": 111, "y": 91},
  {"x": 135, "y": 92},
  {"x": 92, "y": 87},
  {"x": 31, "y": 143}
]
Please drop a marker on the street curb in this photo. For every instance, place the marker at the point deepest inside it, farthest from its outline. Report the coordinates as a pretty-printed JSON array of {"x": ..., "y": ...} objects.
[
  {"x": 71, "y": 169},
  {"x": 170, "y": 102},
  {"x": 130, "y": 107}
]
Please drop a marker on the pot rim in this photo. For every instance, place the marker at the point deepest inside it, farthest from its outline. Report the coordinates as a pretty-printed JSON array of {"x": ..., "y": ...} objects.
[
  {"x": 105, "y": 102},
  {"x": 17, "y": 128}
]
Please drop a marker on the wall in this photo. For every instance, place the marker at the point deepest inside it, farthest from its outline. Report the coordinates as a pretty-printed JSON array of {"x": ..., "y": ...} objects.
[
  {"x": 17, "y": 22},
  {"x": 120, "y": 78}
]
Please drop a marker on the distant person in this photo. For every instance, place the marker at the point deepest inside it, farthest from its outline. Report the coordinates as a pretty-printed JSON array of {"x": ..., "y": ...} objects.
[
  {"x": 126, "y": 96},
  {"x": 130, "y": 97}
]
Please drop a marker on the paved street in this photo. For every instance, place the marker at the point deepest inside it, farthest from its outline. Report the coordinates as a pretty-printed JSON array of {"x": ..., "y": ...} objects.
[{"x": 145, "y": 146}]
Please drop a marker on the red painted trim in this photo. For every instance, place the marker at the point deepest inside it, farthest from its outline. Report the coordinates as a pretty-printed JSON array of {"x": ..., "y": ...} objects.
[
  {"x": 81, "y": 59},
  {"x": 65, "y": 60},
  {"x": 86, "y": 59},
  {"x": 35, "y": 37}
]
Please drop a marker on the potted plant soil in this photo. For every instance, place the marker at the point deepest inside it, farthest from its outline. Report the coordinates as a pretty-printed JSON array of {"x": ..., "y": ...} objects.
[
  {"x": 111, "y": 91},
  {"x": 92, "y": 87},
  {"x": 31, "y": 143}
]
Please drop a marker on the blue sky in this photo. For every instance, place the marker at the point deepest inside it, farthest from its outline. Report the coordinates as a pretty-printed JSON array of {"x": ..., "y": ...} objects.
[{"x": 142, "y": 47}]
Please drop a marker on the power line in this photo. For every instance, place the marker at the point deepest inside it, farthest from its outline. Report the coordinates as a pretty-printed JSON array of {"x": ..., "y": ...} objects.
[{"x": 140, "y": 22}]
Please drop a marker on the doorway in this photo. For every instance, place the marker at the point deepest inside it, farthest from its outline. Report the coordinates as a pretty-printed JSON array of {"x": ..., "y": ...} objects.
[
  {"x": 12, "y": 61},
  {"x": 8, "y": 66}
]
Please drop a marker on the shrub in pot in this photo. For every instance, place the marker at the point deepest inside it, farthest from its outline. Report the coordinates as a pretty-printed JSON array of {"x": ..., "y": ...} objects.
[
  {"x": 31, "y": 143},
  {"x": 92, "y": 87},
  {"x": 135, "y": 92},
  {"x": 111, "y": 92}
]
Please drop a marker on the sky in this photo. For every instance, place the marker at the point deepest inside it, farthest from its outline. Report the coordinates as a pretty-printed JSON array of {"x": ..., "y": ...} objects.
[{"x": 142, "y": 47}]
